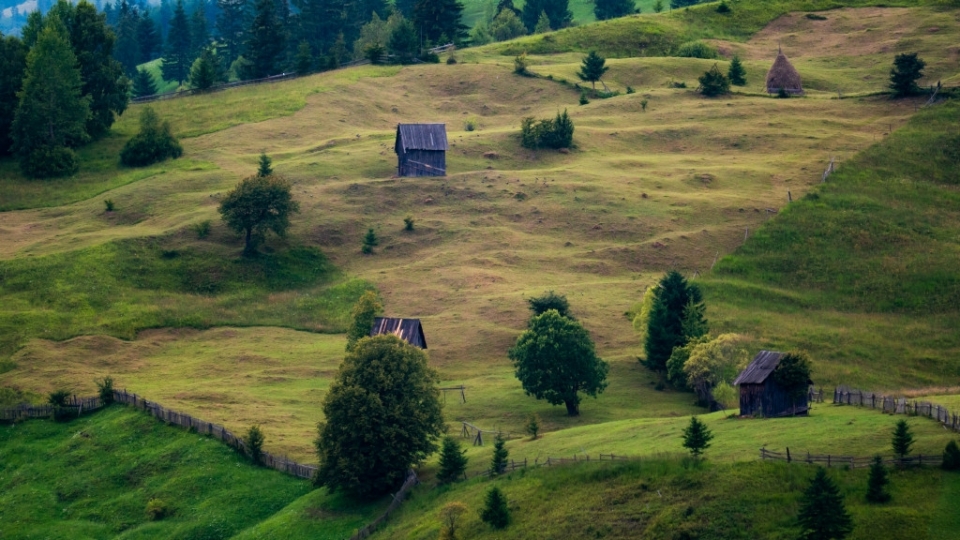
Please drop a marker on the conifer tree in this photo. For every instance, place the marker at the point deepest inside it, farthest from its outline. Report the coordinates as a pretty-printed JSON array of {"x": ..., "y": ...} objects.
[
  {"x": 592, "y": 68},
  {"x": 13, "y": 63},
  {"x": 549, "y": 300},
  {"x": 714, "y": 83},
  {"x": 951, "y": 457},
  {"x": 143, "y": 84},
  {"x": 665, "y": 324},
  {"x": 52, "y": 114},
  {"x": 436, "y": 18},
  {"x": 558, "y": 12},
  {"x": 267, "y": 42},
  {"x": 404, "y": 43},
  {"x": 495, "y": 511},
  {"x": 453, "y": 461},
  {"x": 902, "y": 439},
  {"x": 233, "y": 21},
  {"x": 304, "y": 58},
  {"x": 907, "y": 69},
  {"x": 367, "y": 308},
  {"x": 498, "y": 463},
  {"x": 177, "y": 58},
  {"x": 370, "y": 241},
  {"x": 533, "y": 426},
  {"x": 148, "y": 39},
  {"x": 877, "y": 483},
  {"x": 127, "y": 51},
  {"x": 199, "y": 37},
  {"x": 543, "y": 24},
  {"x": 206, "y": 71},
  {"x": 265, "y": 167},
  {"x": 823, "y": 515},
  {"x": 737, "y": 74},
  {"x": 611, "y": 9},
  {"x": 696, "y": 437}
]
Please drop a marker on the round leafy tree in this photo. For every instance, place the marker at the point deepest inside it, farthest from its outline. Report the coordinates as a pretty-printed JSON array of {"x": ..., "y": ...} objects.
[
  {"x": 555, "y": 361},
  {"x": 383, "y": 414},
  {"x": 153, "y": 144},
  {"x": 257, "y": 205}
]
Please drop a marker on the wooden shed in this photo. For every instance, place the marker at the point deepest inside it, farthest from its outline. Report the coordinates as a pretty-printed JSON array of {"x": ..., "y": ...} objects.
[
  {"x": 409, "y": 330},
  {"x": 761, "y": 396},
  {"x": 421, "y": 149}
]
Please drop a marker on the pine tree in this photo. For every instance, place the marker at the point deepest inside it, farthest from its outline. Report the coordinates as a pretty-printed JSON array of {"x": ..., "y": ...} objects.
[
  {"x": 143, "y": 84},
  {"x": 658, "y": 6},
  {"x": 102, "y": 75},
  {"x": 902, "y": 439},
  {"x": 154, "y": 143},
  {"x": 364, "y": 312},
  {"x": 206, "y": 71},
  {"x": 696, "y": 437},
  {"x": 951, "y": 457},
  {"x": 677, "y": 4},
  {"x": 199, "y": 38},
  {"x": 907, "y": 69},
  {"x": 543, "y": 24},
  {"x": 233, "y": 21},
  {"x": 495, "y": 512},
  {"x": 737, "y": 74},
  {"x": 877, "y": 483},
  {"x": 265, "y": 165},
  {"x": 498, "y": 463},
  {"x": 665, "y": 324},
  {"x": 435, "y": 18},
  {"x": 823, "y": 515},
  {"x": 714, "y": 83},
  {"x": 304, "y": 58},
  {"x": 611, "y": 9},
  {"x": 267, "y": 42},
  {"x": 52, "y": 113},
  {"x": 403, "y": 41},
  {"x": 558, "y": 12},
  {"x": 13, "y": 63},
  {"x": 453, "y": 461},
  {"x": 177, "y": 58},
  {"x": 254, "y": 441},
  {"x": 592, "y": 68},
  {"x": 338, "y": 51},
  {"x": 148, "y": 39},
  {"x": 320, "y": 22},
  {"x": 127, "y": 51}
]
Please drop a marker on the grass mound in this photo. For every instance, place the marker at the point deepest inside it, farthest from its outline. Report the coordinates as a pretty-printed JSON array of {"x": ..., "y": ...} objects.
[{"x": 95, "y": 477}]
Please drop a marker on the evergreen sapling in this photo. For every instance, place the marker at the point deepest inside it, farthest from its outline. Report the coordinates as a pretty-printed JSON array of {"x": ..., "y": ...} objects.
[
  {"x": 498, "y": 463},
  {"x": 877, "y": 483},
  {"x": 495, "y": 511},
  {"x": 823, "y": 515},
  {"x": 696, "y": 437},
  {"x": 737, "y": 74},
  {"x": 453, "y": 461}
]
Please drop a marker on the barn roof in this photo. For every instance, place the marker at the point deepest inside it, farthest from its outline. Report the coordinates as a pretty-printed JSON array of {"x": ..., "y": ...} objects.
[
  {"x": 409, "y": 330},
  {"x": 760, "y": 368},
  {"x": 783, "y": 75},
  {"x": 422, "y": 136}
]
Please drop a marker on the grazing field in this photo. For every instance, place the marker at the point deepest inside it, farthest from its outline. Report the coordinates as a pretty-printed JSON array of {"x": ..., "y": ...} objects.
[{"x": 92, "y": 478}]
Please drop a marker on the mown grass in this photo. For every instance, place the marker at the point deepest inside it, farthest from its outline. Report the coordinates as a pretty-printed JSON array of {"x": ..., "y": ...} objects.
[
  {"x": 668, "y": 498},
  {"x": 91, "y": 478}
]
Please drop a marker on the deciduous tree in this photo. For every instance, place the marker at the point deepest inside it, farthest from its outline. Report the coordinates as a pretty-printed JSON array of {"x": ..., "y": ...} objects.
[
  {"x": 367, "y": 308},
  {"x": 258, "y": 205}
]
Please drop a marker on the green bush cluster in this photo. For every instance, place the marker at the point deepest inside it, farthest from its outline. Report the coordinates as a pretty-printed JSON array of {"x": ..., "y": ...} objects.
[
  {"x": 551, "y": 133},
  {"x": 696, "y": 49},
  {"x": 154, "y": 143}
]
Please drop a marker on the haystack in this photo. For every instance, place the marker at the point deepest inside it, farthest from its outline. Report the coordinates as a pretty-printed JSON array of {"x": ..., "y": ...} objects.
[{"x": 783, "y": 75}]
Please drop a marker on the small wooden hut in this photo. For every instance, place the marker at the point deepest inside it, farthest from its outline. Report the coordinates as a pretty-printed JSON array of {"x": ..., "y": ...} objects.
[
  {"x": 409, "y": 330},
  {"x": 761, "y": 396},
  {"x": 783, "y": 76},
  {"x": 421, "y": 149}
]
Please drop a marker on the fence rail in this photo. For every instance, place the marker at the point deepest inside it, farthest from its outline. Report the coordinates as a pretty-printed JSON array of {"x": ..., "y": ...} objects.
[
  {"x": 896, "y": 405},
  {"x": 852, "y": 462}
]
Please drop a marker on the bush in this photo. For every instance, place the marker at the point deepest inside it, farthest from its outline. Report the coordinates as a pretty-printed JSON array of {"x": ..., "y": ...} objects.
[
  {"x": 630, "y": 90},
  {"x": 471, "y": 124},
  {"x": 451, "y": 60},
  {"x": 430, "y": 57},
  {"x": 643, "y": 104},
  {"x": 723, "y": 7},
  {"x": 495, "y": 511},
  {"x": 153, "y": 144},
  {"x": 109, "y": 205},
  {"x": 583, "y": 98},
  {"x": 520, "y": 64},
  {"x": 50, "y": 162},
  {"x": 556, "y": 133},
  {"x": 449, "y": 518},
  {"x": 533, "y": 426},
  {"x": 783, "y": 94},
  {"x": 714, "y": 83},
  {"x": 408, "y": 223},
  {"x": 202, "y": 229},
  {"x": 539, "y": 305},
  {"x": 696, "y": 49},
  {"x": 157, "y": 510},
  {"x": 105, "y": 390},
  {"x": 677, "y": 84},
  {"x": 370, "y": 240},
  {"x": 254, "y": 440},
  {"x": 815, "y": 17},
  {"x": 951, "y": 457}
]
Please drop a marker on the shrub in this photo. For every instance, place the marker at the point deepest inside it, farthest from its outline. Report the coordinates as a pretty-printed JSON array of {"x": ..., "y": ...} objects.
[
  {"x": 157, "y": 510},
  {"x": 408, "y": 223},
  {"x": 108, "y": 205},
  {"x": 154, "y": 143},
  {"x": 50, "y": 162},
  {"x": 696, "y": 49},
  {"x": 105, "y": 390},
  {"x": 533, "y": 426},
  {"x": 951, "y": 457},
  {"x": 375, "y": 53},
  {"x": 449, "y": 518},
  {"x": 451, "y": 60},
  {"x": 370, "y": 240},
  {"x": 714, "y": 83},
  {"x": 643, "y": 105},
  {"x": 583, "y": 98},
  {"x": 549, "y": 300},
  {"x": 783, "y": 94},
  {"x": 677, "y": 84},
  {"x": 815, "y": 17},
  {"x": 471, "y": 124},
  {"x": 202, "y": 229},
  {"x": 495, "y": 511},
  {"x": 430, "y": 57},
  {"x": 254, "y": 440},
  {"x": 520, "y": 64},
  {"x": 556, "y": 133},
  {"x": 58, "y": 398},
  {"x": 723, "y": 7},
  {"x": 630, "y": 90}
]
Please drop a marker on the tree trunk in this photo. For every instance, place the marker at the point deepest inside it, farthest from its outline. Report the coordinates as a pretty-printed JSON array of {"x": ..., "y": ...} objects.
[
  {"x": 573, "y": 408},
  {"x": 248, "y": 248}
]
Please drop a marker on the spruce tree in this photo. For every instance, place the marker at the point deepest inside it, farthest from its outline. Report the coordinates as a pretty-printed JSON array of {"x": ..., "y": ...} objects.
[
  {"x": 233, "y": 20},
  {"x": 127, "y": 51},
  {"x": 549, "y": 300},
  {"x": 319, "y": 23},
  {"x": 304, "y": 58},
  {"x": 453, "y": 461},
  {"x": 611, "y": 9},
  {"x": 404, "y": 43},
  {"x": 148, "y": 39},
  {"x": 13, "y": 63},
  {"x": 52, "y": 114},
  {"x": 267, "y": 42},
  {"x": 543, "y": 24},
  {"x": 143, "y": 84},
  {"x": 737, "y": 74},
  {"x": 658, "y": 6},
  {"x": 265, "y": 165},
  {"x": 254, "y": 441},
  {"x": 907, "y": 69},
  {"x": 177, "y": 58},
  {"x": 155, "y": 142},
  {"x": 902, "y": 439},
  {"x": 199, "y": 37},
  {"x": 206, "y": 71},
  {"x": 877, "y": 483},
  {"x": 592, "y": 68},
  {"x": 498, "y": 463},
  {"x": 436, "y": 18},
  {"x": 367, "y": 308},
  {"x": 665, "y": 325},
  {"x": 495, "y": 511},
  {"x": 370, "y": 241},
  {"x": 823, "y": 515},
  {"x": 696, "y": 437},
  {"x": 558, "y": 12},
  {"x": 951, "y": 457},
  {"x": 714, "y": 83}
]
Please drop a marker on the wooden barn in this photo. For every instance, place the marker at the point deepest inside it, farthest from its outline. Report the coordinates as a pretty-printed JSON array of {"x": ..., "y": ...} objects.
[
  {"x": 421, "y": 149},
  {"x": 783, "y": 76},
  {"x": 409, "y": 330},
  {"x": 761, "y": 396}
]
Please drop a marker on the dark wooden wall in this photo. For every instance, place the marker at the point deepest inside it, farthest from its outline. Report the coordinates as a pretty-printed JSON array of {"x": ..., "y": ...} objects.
[
  {"x": 422, "y": 163},
  {"x": 769, "y": 400}
]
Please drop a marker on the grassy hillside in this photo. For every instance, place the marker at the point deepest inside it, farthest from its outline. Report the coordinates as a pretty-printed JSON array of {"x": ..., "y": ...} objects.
[
  {"x": 92, "y": 478},
  {"x": 873, "y": 248}
]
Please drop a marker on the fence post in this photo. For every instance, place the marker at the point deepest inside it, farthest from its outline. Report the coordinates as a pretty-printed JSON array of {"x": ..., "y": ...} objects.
[{"x": 789, "y": 459}]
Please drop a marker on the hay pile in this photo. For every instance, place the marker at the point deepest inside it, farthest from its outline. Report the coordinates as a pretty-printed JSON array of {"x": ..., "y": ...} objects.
[{"x": 783, "y": 75}]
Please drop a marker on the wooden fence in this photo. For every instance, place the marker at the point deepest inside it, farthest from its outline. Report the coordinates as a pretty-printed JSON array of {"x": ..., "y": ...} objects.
[
  {"x": 896, "y": 405},
  {"x": 552, "y": 461},
  {"x": 847, "y": 461},
  {"x": 398, "y": 499},
  {"x": 74, "y": 406},
  {"x": 471, "y": 431}
]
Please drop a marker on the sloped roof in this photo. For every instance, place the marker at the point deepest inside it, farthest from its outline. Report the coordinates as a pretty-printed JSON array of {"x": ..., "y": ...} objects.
[
  {"x": 409, "y": 330},
  {"x": 783, "y": 75},
  {"x": 422, "y": 137},
  {"x": 760, "y": 368}
]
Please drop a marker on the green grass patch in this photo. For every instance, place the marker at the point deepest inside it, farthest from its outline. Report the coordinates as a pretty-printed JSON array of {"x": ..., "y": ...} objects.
[{"x": 92, "y": 478}]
